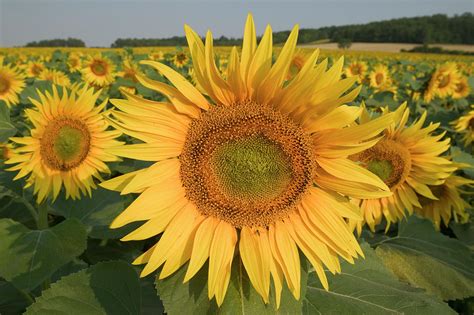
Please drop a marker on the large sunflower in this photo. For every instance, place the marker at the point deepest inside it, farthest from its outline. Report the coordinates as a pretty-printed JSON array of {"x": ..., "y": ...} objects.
[
  {"x": 261, "y": 163},
  {"x": 408, "y": 160},
  {"x": 450, "y": 203},
  {"x": 98, "y": 71},
  {"x": 12, "y": 82},
  {"x": 68, "y": 144}
]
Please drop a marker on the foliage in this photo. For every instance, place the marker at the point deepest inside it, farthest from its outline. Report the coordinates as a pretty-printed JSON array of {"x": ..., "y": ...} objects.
[{"x": 69, "y": 42}]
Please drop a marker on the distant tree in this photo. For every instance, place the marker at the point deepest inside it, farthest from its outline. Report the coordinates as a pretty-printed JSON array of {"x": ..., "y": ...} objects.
[
  {"x": 344, "y": 43},
  {"x": 69, "y": 42}
]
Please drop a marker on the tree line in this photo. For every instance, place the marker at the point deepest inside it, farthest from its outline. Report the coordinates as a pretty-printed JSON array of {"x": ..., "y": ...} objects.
[
  {"x": 435, "y": 29},
  {"x": 69, "y": 42}
]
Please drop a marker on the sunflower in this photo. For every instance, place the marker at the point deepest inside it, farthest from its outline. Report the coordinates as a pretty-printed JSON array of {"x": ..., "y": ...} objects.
[
  {"x": 443, "y": 82},
  {"x": 12, "y": 82},
  {"x": 55, "y": 76},
  {"x": 68, "y": 144},
  {"x": 98, "y": 71},
  {"x": 156, "y": 55},
  {"x": 34, "y": 69},
  {"x": 180, "y": 59},
  {"x": 450, "y": 203},
  {"x": 357, "y": 69},
  {"x": 259, "y": 163},
  {"x": 297, "y": 62},
  {"x": 130, "y": 70},
  {"x": 408, "y": 160},
  {"x": 380, "y": 79},
  {"x": 462, "y": 89},
  {"x": 74, "y": 62},
  {"x": 465, "y": 126}
]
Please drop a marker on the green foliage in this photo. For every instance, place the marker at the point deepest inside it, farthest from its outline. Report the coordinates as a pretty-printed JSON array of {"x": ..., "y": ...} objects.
[
  {"x": 241, "y": 297},
  {"x": 7, "y": 129},
  {"x": 69, "y": 42},
  {"x": 367, "y": 287},
  {"x": 105, "y": 288},
  {"x": 427, "y": 259},
  {"x": 29, "y": 257}
]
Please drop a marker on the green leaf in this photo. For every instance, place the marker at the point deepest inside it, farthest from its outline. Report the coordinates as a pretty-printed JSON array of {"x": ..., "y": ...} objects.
[
  {"x": 427, "y": 259},
  {"x": 367, "y": 287},
  {"x": 12, "y": 300},
  {"x": 151, "y": 303},
  {"x": 464, "y": 232},
  {"x": 463, "y": 157},
  {"x": 29, "y": 257},
  {"x": 105, "y": 288},
  {"x": 7, "y": 129},
  {"x": 96, "y": 213},
  {"x": 241, "y": 297}
]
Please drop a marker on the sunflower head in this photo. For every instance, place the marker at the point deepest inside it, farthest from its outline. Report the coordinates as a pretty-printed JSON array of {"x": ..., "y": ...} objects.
[
  {"x": 180, "y": 59},
  {"x": 98, "y": 71},
  {"x": 68, "y": 144},
  {"x": 12, "y": 82},
  {"x": 254, "y": 159},
  {"x": 55, "y": 76},
  {"x": 34, "y": 69},
  {"x": 407, "y": 159},
  {"x": 358, "y": 69},
  {"x": 465, "y": 126}
]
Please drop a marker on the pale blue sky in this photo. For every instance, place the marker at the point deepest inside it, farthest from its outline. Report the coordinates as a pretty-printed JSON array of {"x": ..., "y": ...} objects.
[{"x": 100, "y": 22}]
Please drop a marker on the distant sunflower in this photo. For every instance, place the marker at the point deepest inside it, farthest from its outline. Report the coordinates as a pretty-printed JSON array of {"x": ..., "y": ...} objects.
[
  {"x": 462, "y": 89},
  {"x": 408, "y": 160},
  {"x": 34, "y": 69},
  {"x": 380, "y": 79},
  {"x": 261, "y": 164},
  {"x": 130, "y": 70},
  {"x": 98, "y": 71},
  {"x": 449, "y": 205},
  {"x": 297, "y": 62},
  {"x": 12, "y": 82},
  {"x": 68, "y": 144},
  {"x": 55, "y": 76},
  {"x": 74, "y": 62},
  {"x": 443, "y": 82},
  {"x": 465, "y": 126},
  {"x": 180, "y": 59},
  {"x": 356, "y": 69},
  {"x": 156, "y": 55}
]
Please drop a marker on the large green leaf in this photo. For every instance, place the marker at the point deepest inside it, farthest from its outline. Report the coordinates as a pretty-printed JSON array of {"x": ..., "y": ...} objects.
[
  {"x": 105, "y": 288},
  {"x": 7, "y": 129},
  {"x": 29, "y": 257},
  {"x": 12, "y": 300},
  {"x": 427, "y": 259},
  {"x": 241, "y": 297},
  {"x": 367, "y": 287},
  {"x": 464, "y": 232},
  {"x": 96, "y": 212}
]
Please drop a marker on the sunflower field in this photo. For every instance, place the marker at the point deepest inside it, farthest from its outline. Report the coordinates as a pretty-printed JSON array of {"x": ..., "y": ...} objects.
[{"x": 235, "y": 180}]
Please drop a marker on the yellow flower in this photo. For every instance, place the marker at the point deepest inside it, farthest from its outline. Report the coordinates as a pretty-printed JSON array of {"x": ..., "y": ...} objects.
[
  {"x": 55, "y": 76},
  {"x": 380, "y": 79},
  {"x": 408, "y": 160},
  {"x": 260, "y": 163},
  {"x": 465, "y": 126},
  {"x": 443, "y": 82},
  {"x": 180, "y": 59},
  {"x": 12, "y": 82},
  {"x": 157, "y": 55},
  {"x": 462, "y": 89},
  {"x": 34, "y": 69},
  {"x": 98, "y": 71},
  {"x": 74, "y": 62},
  {"x": 357, "y": 69},
  {"x": 449, "y": 203},
  {"x": 68, "y": 144},
  {"x": 130, "y": 70},
  {"x": 297, "y": 62}
]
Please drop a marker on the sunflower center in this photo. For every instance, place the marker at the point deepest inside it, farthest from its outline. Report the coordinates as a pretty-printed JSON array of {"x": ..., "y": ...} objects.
[
  {"x": 356, "y": 69},
  {"x": 99, "y": 67},
  {"x": 181, "y": 57},
  {"x": 65, "y": 144},
  {"x": 379, "y": 78},
  {"x": 4, "y": 85},
  {"x": 444, "y": 81},
  {"x": 36, "y": 70},
  {"x": 252, "y": 168},
  {"x": 246, "y": 164},
  {"x": 389, "y": 160}
]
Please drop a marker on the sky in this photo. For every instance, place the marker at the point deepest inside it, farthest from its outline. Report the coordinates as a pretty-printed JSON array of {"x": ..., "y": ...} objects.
[{"x": 100, "y": 22}]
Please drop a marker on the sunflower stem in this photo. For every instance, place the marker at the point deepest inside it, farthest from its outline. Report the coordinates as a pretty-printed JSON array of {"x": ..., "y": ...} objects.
[{"x": 42, "y": 222}]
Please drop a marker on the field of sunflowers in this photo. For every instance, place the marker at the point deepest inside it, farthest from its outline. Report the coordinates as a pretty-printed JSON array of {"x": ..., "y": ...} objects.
[{"x": 246, "y": 180}]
